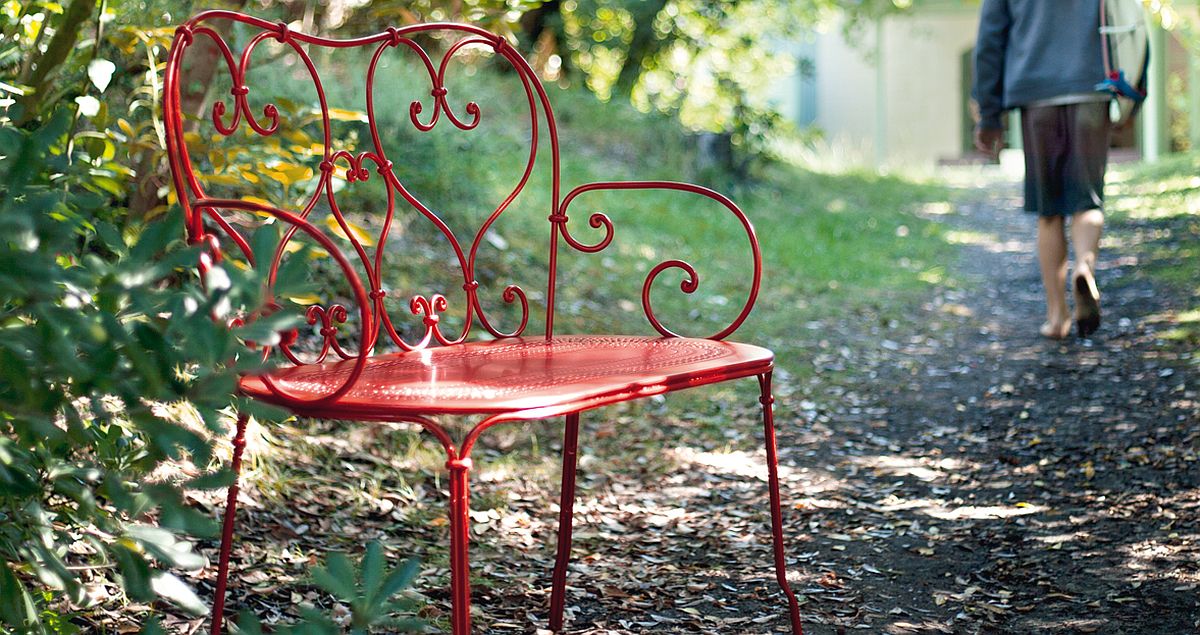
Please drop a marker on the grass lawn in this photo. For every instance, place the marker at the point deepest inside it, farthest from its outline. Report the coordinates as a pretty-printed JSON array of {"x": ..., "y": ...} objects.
[{"x": 1157, "y": 207}]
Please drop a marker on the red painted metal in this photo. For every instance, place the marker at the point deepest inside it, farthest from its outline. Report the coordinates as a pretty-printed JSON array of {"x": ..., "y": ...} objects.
[
  {"x": 239, "y": 444},
  {"x": 566, "y": 520},
  {"x": 515, "y": 377},
  {"x": 768, "y": 405},
  {"x": 460, "y": 538},
  {"x": 514, "y": 374}
]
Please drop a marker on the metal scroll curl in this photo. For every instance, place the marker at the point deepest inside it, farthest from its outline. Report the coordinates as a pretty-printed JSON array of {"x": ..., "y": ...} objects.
[
  {"x": 328, "y": 317},
  {"x": 439, "y": 91},
  {"x": 240, "y": 91},
  {"x": 512, "y": 294},
  {"x": 691, "y": 282},
  {"x": 228, "y": 115}
]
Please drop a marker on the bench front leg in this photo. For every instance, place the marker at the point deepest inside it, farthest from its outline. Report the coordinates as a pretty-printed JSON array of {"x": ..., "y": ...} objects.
[
  {"x": 566, "y": 507},
  {"x": 768, "y": 400},
  {"x": 218, "y": 609},
  {"x": 460, "y": 536}
]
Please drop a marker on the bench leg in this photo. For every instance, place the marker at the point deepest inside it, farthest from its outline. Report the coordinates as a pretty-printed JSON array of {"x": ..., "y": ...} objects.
[
  {"x": 239, "y": 444},
  {"x": 558, "y": 590},
  {"x": 767, "y": 401},
  {"x": 460, "y": 535}
]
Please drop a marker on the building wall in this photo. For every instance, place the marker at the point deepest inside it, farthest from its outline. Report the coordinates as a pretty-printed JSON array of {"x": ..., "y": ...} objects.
[
  {"x": 845, "y": 91},
  {"x": 908, "y": 105},
  {"x": 922, "y": 87},
  {"x": 923, "y": 74}
]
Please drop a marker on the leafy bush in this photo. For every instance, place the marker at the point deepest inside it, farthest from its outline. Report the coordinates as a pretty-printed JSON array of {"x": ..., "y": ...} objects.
[
  {"x": 109, "y": 371},
  {"x": 96, "y": 350}
]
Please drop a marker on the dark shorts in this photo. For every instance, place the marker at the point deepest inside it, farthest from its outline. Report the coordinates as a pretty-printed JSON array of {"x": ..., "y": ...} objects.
[{"x": 1066, "y": 150}]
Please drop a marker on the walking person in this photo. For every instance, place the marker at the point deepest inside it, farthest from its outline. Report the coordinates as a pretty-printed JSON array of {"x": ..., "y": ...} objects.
[{"x": 1044, "y": 58}]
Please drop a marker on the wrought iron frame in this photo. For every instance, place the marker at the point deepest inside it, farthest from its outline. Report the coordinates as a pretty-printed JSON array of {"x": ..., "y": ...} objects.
[{"x": 207, "y": 226}]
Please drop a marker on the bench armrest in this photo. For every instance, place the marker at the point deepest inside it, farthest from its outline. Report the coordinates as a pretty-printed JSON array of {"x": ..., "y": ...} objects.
[
  {"x": 327, "y": 316},
  {"x": 692, "y": 281}
]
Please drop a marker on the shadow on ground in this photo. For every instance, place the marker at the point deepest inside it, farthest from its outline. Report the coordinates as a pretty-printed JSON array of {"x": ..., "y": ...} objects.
[{"x": 947, "y": 473}]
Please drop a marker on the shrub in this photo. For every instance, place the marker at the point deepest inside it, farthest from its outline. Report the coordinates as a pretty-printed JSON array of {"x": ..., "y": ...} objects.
[
  {"x": 111, "y": 369},
  {"x": 96, "y": 344}
]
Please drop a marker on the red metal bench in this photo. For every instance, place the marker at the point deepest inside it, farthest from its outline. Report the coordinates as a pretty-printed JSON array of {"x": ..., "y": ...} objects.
[{"x": 510, "y": 377}]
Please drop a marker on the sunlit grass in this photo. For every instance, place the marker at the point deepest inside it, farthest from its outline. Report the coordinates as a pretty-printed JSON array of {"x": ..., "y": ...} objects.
[{"x": 1157, "y": 206}]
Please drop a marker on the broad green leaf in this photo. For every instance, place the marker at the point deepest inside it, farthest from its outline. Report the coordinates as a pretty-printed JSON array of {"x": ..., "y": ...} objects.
[
  {"x": 164, "y": 546},
  {"x": 16, "y": 605},
  {"x": 336, "y": 577},
  {"x": 400, "y": 578},
  {"x": 135, "y": 573},
  {"x": 167, "y": 586},
  {"x": 372, "y": 570}
]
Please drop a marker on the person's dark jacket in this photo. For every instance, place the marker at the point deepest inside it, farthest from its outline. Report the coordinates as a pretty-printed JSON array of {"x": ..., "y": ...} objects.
[{"x": 1029, "y": 50}]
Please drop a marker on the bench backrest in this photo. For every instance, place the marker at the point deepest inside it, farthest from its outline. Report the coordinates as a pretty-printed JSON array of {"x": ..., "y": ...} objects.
[{"x": 219, "y": 221}]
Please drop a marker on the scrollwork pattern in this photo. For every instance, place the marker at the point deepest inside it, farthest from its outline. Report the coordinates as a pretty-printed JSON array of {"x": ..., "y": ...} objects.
[
  {"x": 692, "y": 282},
  {"x": 228, "y": 115}
]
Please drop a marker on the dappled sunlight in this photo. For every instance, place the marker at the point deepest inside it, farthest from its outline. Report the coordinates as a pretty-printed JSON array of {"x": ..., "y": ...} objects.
[
  {"x": 983, "y": 512},
  {"x": 990, "y": 242},
  {"x": 1144, "y": 208},
  {"x": 1058, "y": 539},
  {"x": 733, "y": 462},
  {"x": 967, "y": 237},
  {"x": 936, "y": 208},
  {"x": 924, "y": 469}
]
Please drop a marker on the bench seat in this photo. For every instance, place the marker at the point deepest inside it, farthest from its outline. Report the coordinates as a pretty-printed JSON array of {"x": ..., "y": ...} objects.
[{"x": 517, "y": 374}]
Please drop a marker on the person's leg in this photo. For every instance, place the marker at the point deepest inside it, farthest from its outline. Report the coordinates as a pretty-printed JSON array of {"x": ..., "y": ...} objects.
[
  {"x": 1044, "y": 139},
  {"x": 1086, "y": 227},
  {"x": 1052, "y": 257},
  {"x": 1085, "y": 236},
  {"x": 1089, "y": 130}
]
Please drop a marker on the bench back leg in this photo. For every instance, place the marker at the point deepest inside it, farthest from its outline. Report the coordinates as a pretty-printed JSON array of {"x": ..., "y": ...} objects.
[
  {"x": 566, "y": 505},
  {"x": 768, "y": 401},
  {"x": 239, "y": 444}
]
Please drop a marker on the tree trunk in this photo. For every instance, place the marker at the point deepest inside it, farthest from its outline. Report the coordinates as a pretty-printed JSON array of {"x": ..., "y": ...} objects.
[
  {"x": 535, "y": 21},
  {"x": 644, "y": 44},
  {"x": 200, "y": 65},
  {"x": 66, "y": 34}
]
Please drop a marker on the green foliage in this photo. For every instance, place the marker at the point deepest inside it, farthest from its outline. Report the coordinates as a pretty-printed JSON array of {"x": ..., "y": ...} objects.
[
  {"x": 709, "y": 62},
  {"x": 372, "y": 594},
  {"x": 96, "y": 349}
]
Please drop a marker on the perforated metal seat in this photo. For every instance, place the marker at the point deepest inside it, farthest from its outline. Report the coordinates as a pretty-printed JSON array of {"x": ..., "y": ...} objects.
[{"x": 517, "y": 374}]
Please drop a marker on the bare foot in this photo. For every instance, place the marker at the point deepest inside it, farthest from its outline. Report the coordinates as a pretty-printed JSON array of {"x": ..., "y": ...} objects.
[
  {"x": 1055, "y": 330},
  {"x": 1087, "y": 304}
]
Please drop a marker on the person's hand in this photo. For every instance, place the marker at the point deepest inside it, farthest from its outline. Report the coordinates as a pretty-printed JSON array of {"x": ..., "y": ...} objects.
[{"x": 989, "y": 140}]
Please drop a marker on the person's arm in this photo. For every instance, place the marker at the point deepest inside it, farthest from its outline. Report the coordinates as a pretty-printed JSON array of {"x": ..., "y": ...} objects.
[{"x": 988, "y": 88}]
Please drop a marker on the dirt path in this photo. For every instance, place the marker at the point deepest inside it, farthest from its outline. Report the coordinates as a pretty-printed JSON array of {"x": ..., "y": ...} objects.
[
  {"x": 950, "y": 472},
  {"x": 992, "y": 481}
]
